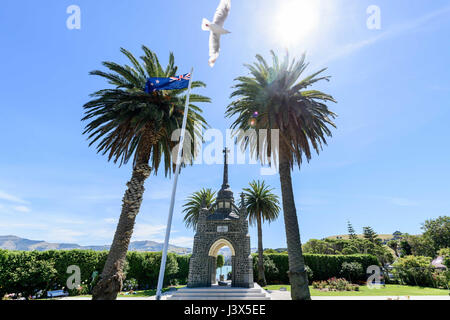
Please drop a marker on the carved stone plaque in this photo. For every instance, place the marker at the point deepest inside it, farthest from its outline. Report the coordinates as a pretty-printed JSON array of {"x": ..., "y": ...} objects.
[{"x": 222, "y": 228}]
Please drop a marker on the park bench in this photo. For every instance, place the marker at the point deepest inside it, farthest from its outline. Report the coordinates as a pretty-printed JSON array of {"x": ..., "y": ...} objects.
[{"x": 57, "y": 293}]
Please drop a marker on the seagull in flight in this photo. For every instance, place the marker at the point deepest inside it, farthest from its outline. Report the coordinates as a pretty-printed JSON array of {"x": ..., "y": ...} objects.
[{"x": 216, "y": 29}]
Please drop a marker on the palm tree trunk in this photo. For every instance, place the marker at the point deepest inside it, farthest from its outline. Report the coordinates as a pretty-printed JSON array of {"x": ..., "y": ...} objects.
[
  {"x": 261, "y": 276},
  {"x": 111, "y": 279},
  {"x": 297, "y": 273}
]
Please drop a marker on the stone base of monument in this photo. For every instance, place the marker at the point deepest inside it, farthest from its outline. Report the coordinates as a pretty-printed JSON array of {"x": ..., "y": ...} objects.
[{"x": 216, "y": 292}]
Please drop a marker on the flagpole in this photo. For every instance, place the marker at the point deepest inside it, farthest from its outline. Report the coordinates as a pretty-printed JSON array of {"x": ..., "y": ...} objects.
[{"x": 174, "y": 191}]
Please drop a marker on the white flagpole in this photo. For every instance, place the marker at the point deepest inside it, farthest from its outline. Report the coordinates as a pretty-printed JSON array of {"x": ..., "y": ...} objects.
[{"x": 174, "y": 191}]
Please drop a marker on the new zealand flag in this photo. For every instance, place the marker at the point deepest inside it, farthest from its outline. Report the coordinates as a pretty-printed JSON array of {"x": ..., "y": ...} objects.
[{"x": 172, "y": 83}]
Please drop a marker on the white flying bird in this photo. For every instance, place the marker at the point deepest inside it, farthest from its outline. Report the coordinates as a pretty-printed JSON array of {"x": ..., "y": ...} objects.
[{"x": 216, "y": 29}]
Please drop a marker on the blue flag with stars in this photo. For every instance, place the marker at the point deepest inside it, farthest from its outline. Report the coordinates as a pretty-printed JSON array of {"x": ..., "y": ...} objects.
[{"x": 172, "y": 83}]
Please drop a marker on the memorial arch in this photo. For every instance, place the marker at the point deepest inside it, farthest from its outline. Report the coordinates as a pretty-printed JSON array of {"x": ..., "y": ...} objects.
[
  {"x": 219, "y": 244},
  {"x": 223, "y": 224}
]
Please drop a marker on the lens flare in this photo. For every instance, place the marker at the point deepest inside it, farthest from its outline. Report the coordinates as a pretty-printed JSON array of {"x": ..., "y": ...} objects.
[{"x": 296, "y": 20}]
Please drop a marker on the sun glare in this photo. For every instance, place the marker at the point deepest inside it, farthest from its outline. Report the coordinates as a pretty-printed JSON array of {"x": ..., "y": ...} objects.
[{"x": 296, "y": 21}]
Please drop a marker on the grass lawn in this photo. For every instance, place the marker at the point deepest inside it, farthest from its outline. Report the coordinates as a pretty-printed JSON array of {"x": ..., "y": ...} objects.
[
  {"x": 139, "y": 294},
  {"x": 145, "y": 293},
  {"x": 388, "y": 290}
]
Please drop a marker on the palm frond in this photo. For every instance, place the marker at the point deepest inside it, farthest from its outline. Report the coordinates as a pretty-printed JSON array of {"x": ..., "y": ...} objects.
[
  {"x": 275, "y": 93},
  {"x": 127, "y": 123},
  {"x": 261, "y": 202},
  {"x": 194, "y": 203}
]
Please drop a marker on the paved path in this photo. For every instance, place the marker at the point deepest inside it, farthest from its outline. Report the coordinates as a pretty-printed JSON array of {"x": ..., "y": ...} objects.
[
  {"x": 285, "y": 295},
  {"x": 163, "y": 297}
]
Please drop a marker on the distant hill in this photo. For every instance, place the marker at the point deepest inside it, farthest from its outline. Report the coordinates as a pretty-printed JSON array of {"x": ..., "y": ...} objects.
[{"x": 16, "y": 243}]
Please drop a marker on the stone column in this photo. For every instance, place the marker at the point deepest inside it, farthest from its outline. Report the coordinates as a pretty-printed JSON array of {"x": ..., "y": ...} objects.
[
  {"x": 243, "y": 264},
  {"x": 198, "y": 264},
  {"x": 213, "y": 269}
]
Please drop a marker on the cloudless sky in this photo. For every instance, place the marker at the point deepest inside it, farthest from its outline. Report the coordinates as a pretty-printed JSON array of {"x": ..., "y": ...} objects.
[{"x": 386, "y": 166}]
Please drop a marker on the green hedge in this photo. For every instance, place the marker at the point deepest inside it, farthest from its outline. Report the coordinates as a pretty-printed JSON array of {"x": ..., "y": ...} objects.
[
  {"x": 183, "y": 269},
  {"x": 144, "y": 267},
  {"x": 23, "y": 272},
  {"x": 88, "y": 261},
  {"x": 323, "y": 266},
  {"x": 30, "y": 271}
]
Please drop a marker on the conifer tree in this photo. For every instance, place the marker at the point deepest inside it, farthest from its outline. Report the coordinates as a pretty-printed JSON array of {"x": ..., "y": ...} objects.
[
  {"x": 370, "y": 234},
  {"x": 351, "y": 231}
]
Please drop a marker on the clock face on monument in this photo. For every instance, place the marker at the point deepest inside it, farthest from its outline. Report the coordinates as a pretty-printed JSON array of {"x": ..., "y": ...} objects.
[{"x": 222, "y": 228}]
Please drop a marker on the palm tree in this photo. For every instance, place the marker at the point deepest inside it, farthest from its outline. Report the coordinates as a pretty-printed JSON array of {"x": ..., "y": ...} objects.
[
  {"x": 195, "y": 202},
  {"x": 127, "y": 123},
  {"x": 262, "y": 205},
  {"x": 272, "y": 97}
]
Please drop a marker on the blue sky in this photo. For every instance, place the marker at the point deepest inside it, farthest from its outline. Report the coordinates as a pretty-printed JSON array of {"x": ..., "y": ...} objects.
[{"x": 386, "y": 166}]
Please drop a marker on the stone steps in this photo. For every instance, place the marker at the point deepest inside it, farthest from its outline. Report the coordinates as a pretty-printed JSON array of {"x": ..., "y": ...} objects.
[{"x": 221, "y": 293}]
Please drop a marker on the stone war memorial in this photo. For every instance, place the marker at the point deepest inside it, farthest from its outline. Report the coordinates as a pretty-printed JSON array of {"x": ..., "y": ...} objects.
[{"x": 224, "y": 224}]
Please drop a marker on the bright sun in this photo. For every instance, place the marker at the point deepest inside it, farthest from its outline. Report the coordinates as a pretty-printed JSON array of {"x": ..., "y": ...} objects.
[{"x": 296, "y": 21}]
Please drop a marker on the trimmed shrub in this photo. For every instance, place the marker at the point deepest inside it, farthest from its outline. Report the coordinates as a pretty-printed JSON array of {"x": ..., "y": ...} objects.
[
  {"x": 47, "y": 270},
  {"x": 23, "y": 272},
  {"x": 144, "y": 267},
  {"x": 130, "y": 284},
  {"x": 183, "y": 268},
  {"x": 335, "y": 284},
  {"x": 310, "y": 274},
  {"x": 88, "y": 261},
  {"x": 270, "y": 268},
  {"x": 82, "y": 289},
  {"x": 323, "y": 267}
]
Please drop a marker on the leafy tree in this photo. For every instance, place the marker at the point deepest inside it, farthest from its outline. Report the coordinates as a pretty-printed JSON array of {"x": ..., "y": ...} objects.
[
  {"x": 397, "y": 235},
  {"x": 352, "y": 270},
  {"x": 351, "y": 246},
  {"x": 404, "y": 247},
  {"x": 414, "y": 270},
  {"x": 220, "y": 261},
  {"x": 394, "y": 245},
  {"x": 204, "y": 198},
  {"x": 126, "y": 123},
  {"x": 350, "y": 250},
  {"x": 383, "y": 254},
  {"x": 262, "y": 205},
  {"x": 445, "y": 253},
  {"x": 438, "y": 232},
  {"x": 351, "y": 231},
  {"x": 273, "y": 97},
  {"x": 315, "y": 246},
  {"x": 421, "y": 246}
]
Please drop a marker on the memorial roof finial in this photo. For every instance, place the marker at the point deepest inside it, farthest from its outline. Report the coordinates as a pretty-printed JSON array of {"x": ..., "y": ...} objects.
[{"x": 225, "y": 184}]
